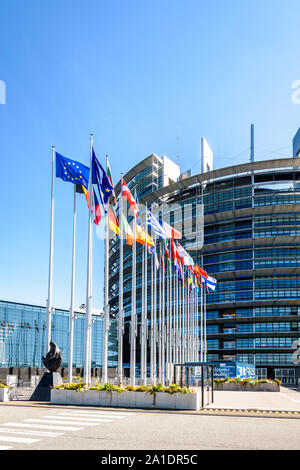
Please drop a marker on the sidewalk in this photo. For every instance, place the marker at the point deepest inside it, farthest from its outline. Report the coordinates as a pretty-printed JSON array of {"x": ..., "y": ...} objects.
[{"x": 285, "y": 400}]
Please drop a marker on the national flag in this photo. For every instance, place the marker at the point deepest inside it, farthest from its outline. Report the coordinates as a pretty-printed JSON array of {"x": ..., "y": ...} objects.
[
  {"x": 155, "y": 225},
  {"x": 96, "y": 210},
  {"x": 169, "y": 231},
  {"x": 180, "y": 272},
  {"x": 108, "y": 172},
  {"x": 200, "y": 272},
  {"x": 152, "y": 251},
  {"x": 156, "y": 262},
  {"x": 168, "y": 257},
  {"x": 71, "y": 170},
  {"x": 186, "y": 259},
  {"x": 128, "y": 231},
  {"x": 174, "y": 252},
  {"x": 191, "y": 284},
  {"x": 128, "y": 196},
  {"x": 100, "y": 178},
  {"x": 211, "y": 282},
  {"x": 141, "y": 236},
  {"x": 112, "y": 220},
  {"x": 162, "y": 258}
]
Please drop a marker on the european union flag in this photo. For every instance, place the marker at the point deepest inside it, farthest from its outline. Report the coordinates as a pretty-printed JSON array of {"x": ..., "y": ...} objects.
[
  {"x": 100, "y": 178},
  {"x": 72, "y": 171}
]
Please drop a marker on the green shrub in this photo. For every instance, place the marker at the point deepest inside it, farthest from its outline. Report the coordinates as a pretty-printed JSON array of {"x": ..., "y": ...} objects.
[{"x": 141, "y": 388}]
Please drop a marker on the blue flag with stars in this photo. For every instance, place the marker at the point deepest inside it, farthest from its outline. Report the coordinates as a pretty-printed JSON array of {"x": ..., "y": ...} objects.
[
  {"x": 72, "y": 171},
  {"x": 100, "y": 178}
]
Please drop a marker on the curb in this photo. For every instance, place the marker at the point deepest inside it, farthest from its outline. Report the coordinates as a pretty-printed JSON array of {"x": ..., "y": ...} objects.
[{"x": 286, "y": 413}]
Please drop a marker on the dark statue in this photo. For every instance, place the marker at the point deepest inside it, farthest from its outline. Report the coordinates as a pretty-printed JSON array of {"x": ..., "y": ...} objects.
[{"x": 53, "y": 359}]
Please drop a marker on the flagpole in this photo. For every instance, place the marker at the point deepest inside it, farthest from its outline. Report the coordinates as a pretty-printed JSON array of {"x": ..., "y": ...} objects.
[
  {"x": 151, "y": 322},
  {"x": 201, "y": 324},
  {"x": 171, "y": 321},
  {"x": 197, "y": 323},
  {"x": 106, "y": 304},
  {"x": 180, "y": 320},
  {"x": 133, "y": 307},
  {"x": 194, "y": 321},
  {"x": 163, "y": 316},
  {"x": 188, "y": 321},
  {"x": 88, "y": 318},
  {"x": 121, "y": 313},
  {"x": 142, "y": 342},
  {"x": 71, "y": 319},
  {"x": 176, "y": 324},
  {"x": 160, "y": 321},
  {"x": 183, "y": 320},
  {"x": 145, "y": 302},
  {"x": 154, "y": 321},
  {"x": 50, "y": 278},
  {"x": 204, "y": 326},
  {"x": 168, "y": 324},
  {"x": 194, "y": 335}
]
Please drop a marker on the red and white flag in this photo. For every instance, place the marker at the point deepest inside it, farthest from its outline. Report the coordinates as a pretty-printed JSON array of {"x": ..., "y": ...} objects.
[{"x": 128, "y": 196}]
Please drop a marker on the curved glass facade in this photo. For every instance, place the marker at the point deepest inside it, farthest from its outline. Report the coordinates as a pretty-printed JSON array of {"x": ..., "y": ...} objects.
[
  {"x": 23, "y": 336},
  {"x": 252, "y": 247}
]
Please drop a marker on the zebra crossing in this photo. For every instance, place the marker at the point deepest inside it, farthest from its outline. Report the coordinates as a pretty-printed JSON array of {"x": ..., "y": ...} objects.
[{"x": 33, "y": 430}]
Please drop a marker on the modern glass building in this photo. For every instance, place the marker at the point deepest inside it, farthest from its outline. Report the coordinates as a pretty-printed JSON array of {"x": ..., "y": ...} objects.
[
  {"x": 23, "y": 336},
  {"x": 251, "y": 246}
]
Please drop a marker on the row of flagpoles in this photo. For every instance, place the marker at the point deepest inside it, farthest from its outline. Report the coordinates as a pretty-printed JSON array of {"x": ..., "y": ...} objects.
[{"x": 171, "y": 333}]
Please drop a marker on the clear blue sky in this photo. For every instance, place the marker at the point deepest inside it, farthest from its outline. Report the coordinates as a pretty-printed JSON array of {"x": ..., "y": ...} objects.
[{"x": 136, "y": 74}]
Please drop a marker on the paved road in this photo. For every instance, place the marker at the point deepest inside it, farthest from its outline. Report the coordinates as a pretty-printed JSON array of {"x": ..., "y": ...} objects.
[
  {"x": 287, "y": 399},
  {"x": 26, "y": 425}
]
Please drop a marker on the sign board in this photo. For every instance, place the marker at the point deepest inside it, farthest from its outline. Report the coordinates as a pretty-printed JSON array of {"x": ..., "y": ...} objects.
[{"x": 222, "y": 370}]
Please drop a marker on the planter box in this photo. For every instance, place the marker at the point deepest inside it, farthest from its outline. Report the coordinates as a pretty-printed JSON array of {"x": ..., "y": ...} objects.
[
  {"x": 236, "y": 387},
  {"x": 188, "y": 401},
  {"x": 126, "y": 400},
  {"x": 4, "y": 394},
  {"x": 91, "y": 398},
  {"x": 59, "y": 397},
  {"x": 162, "y": 400}
]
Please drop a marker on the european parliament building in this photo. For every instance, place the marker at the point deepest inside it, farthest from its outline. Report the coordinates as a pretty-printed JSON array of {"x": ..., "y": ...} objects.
[{"x": 251, "y": 246}]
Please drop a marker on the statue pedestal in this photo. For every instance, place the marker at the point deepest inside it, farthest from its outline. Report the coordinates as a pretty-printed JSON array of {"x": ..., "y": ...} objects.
[{"x": 43, "y": 389}]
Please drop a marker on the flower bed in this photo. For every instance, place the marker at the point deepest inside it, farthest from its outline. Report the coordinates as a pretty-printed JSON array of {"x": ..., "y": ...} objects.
[
  {"x": 155, "y": 396},
  {"x": 4, "y": 392},
  {"x": 249, "y": 385}
]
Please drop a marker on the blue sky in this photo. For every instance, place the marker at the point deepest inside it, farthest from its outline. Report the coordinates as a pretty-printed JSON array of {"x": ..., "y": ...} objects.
[{"x": 136, "y": 74}]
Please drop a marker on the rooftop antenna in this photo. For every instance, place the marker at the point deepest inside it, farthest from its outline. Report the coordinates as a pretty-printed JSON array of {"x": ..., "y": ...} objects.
[
  {"x": 252, "y": 144},
  {"x": 178, "y": 152}
]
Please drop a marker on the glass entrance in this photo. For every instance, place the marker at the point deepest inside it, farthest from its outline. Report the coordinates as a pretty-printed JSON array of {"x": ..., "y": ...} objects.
[{"x": 287, "y": 376}]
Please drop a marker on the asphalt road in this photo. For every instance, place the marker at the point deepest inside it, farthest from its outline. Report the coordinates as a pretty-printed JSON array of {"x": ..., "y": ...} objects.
[{"x": 30, "y": 426}]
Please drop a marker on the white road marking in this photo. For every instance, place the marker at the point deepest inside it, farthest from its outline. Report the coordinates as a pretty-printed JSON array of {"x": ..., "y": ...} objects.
[
  {"x": 292, "y": 399},
  {"x": 43, "y": 426},
  {"x": 33, "y": 433},
  {"x": 5, "y": 447},
  {"x": 58, "y": 421},
  {"x": 23, "y": 440},
  {"x": 90, "y": 415},
  {"x": 83, "y": 417},
  {"x": 102, "y": 412}
]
